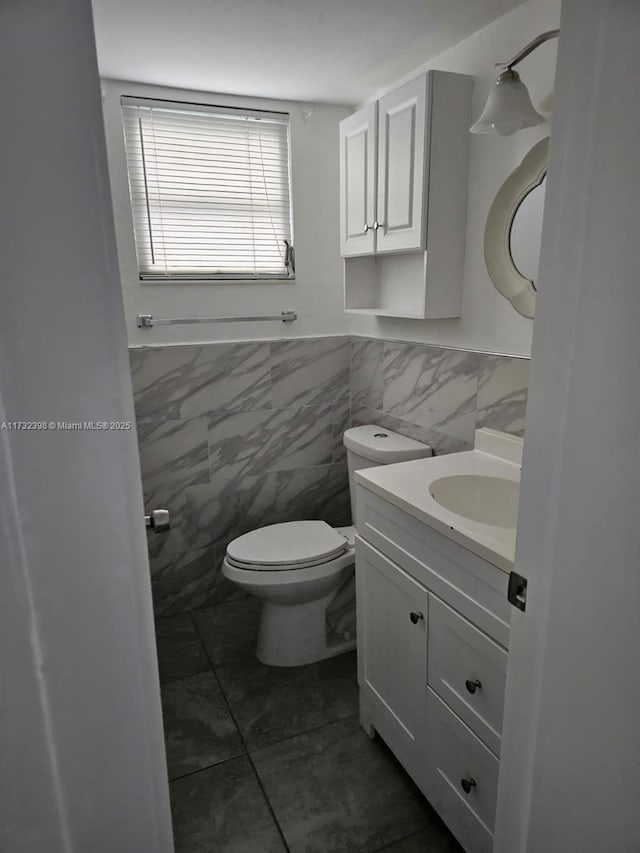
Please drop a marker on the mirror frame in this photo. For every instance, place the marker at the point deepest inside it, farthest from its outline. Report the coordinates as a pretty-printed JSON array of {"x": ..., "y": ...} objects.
[{"x": 519, "y": 290}]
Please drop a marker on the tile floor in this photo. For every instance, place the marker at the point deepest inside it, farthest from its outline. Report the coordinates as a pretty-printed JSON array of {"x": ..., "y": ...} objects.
[{"x": 266, "y": 760}]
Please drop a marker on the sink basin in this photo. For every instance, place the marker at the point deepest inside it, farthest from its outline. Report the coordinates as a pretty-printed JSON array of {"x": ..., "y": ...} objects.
[{"x": 487, "y": 500}]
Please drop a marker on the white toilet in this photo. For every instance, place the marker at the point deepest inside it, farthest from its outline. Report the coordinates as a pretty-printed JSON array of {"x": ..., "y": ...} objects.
[{"x": 297, "y": 567}]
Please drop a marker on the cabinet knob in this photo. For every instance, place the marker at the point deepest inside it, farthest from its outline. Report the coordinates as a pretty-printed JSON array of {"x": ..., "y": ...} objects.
[
  {"x": 416, "y": 617},
  {"x": 472, "y": 686},
  {"x": 377, "y": 225},
  {"x": 366, "y": 228},
  {"x": 468, "y": 784}
]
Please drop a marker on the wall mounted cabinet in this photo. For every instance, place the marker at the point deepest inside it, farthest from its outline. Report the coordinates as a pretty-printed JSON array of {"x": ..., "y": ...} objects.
[{"x": 403, "y": 199}]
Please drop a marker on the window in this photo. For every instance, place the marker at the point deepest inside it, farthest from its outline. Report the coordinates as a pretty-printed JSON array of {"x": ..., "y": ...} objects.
[{"x": 209, "y": 191}]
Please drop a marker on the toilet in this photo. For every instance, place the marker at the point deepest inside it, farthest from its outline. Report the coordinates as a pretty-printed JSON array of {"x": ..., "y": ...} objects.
[{"x": 296, "y": 568}]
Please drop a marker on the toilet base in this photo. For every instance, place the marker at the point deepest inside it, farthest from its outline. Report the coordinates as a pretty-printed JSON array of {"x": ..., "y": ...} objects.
[{"x": 295, "y": 635}]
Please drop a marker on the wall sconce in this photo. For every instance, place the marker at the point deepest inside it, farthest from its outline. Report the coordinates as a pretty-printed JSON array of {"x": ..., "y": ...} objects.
[{"x": 509, "y": 108}]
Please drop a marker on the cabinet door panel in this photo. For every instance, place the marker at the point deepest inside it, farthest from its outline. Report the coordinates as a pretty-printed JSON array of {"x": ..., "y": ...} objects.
[
  {"x": 358, "y": 182},
  {"x": 401, "y": 167},
  {"x": 392, "y": 646},
  {"x": 400, "y": 144}
]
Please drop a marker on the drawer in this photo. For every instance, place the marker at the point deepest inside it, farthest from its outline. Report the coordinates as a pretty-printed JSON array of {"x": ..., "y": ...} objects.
[
  {"x": 454, "y": 755},
  {"x": 468, "y": 670}
]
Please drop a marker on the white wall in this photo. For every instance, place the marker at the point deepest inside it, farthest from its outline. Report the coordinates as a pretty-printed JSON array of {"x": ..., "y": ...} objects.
[
  {"x": 316, "y": 293},
  {"x": 488, "y": 321},
  {"x": 83, "y": 765},
  {"x": 570, "y": 760}
]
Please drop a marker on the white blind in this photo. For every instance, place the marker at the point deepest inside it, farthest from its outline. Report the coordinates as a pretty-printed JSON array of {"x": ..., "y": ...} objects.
[{"x": 209, "y": 190}]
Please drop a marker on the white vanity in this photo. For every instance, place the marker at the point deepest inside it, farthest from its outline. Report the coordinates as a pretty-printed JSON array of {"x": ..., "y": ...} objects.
[{"x": 434, "y": 550}]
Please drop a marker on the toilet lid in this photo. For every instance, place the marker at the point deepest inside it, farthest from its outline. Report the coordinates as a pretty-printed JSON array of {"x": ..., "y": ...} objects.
[{"x": 287, "y": 545}]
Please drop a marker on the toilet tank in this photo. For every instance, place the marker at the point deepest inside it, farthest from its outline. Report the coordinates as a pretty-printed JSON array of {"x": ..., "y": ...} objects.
[{"x": 371, "y": 445}]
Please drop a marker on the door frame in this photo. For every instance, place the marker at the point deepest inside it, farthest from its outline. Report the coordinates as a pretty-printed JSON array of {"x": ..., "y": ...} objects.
[
  {"x": 83, "y": 760},
  {"x": 571, "y": 743}
]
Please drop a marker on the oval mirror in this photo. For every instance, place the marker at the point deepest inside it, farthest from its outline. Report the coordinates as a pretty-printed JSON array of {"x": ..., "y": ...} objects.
[{"x": 514, "y": 228}]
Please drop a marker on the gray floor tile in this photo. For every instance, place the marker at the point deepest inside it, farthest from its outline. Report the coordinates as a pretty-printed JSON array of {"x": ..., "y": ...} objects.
[
  {"x": 223, "y": 810},
  {"x": 271, "y": 703},
  {"x": 229, "y": 630},
  {"x": 198, "y": 728},
  {"x": 335, "y": 790},
  {"x": 435, "y": 839},
  {"x": 180, "y": 651}
]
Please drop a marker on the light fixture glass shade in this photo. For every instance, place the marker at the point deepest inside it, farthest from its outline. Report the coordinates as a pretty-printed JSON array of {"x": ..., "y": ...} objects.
[
  {"x": 546, "y": 104},
  {"x": 508, "y": 108}
]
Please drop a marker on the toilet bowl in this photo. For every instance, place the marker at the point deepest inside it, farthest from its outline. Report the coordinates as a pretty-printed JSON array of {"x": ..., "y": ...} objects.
[{"x": 296, "y": 568}]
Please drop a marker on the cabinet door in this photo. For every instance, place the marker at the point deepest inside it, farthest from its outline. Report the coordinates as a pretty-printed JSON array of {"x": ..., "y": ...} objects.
[
  {"x": 402, "y": 139},
  {"x": 358, "y": 182},
  {"x": 392, "y": 647}
]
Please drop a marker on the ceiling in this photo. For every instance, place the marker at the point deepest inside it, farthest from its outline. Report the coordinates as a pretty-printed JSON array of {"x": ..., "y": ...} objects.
[{"x": 336, "y": 51}]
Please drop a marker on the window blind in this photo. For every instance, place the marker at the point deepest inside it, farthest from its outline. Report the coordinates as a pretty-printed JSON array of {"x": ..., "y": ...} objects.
[{"x": 210, "y": 190}]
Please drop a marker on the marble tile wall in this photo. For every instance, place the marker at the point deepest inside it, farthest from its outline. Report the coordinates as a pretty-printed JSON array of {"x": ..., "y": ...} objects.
[
  {"x": 232, "y": 436},
  {"x": 236, "y": 435},
  {"x": 434, "y": 394}
]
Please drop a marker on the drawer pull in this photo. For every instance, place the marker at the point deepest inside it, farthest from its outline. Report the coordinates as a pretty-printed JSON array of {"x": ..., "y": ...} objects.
[
  {"x": 472, "y": 686},
  {"x": 468, "y": 784},
  {"x": 416, "y": 617}
]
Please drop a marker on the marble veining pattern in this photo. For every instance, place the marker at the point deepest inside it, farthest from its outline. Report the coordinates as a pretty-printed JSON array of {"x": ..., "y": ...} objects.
[
  {"x": 308, "y": 371},
  {"x": 347, "y": 795},
  {"x": 367, "y": 379},
  {"x": 180, "y": 650},
  {"x": 173, "y": 456},
  {"x": 340, "y": 421},
  {"x": 432, "y": 387},
  {"x": 273, "y": 703},
  {"x": 236, "y": 435},
  {"x": 229, "y": 630},
  {"x": 273, "y": 758},
  {"x": 216, "y": 514},
  {"x": 321, "y": 492},
  {"x": 502, "y": 394},
  {"x": 271, "y": 440},
  {"x": 435, "y": 839},
  {"x": 437, "y": 395},
  {"x": 185, "y": 381},
  {"x": 441, "y": 442},
  {"x": 189, "y": 579},
  {"x": 198, "y": 729},
  {"x": 222, "y": 810}
]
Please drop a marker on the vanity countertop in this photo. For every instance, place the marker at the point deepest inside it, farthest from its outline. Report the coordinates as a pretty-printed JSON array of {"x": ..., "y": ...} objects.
[{"x": 407, "y": 486}]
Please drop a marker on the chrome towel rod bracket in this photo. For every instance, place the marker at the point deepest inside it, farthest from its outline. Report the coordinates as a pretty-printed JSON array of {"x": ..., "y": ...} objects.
[{"x": 148, "y": 321}]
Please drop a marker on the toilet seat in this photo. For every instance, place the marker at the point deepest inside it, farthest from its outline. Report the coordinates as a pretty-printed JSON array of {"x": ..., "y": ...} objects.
[{"x": 289, "y": 546}]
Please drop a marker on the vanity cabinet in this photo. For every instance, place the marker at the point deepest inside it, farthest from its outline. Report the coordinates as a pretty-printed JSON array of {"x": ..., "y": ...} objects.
[
  {"x": 403, "y": 189},
  {"x": 433, "y": 634}
]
